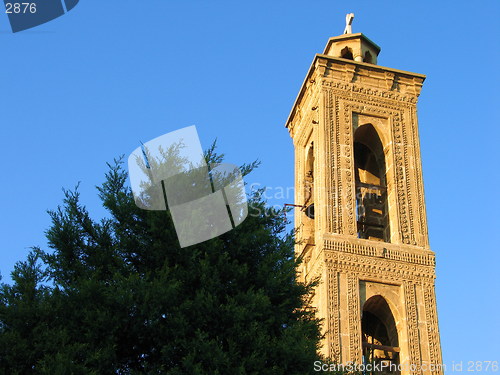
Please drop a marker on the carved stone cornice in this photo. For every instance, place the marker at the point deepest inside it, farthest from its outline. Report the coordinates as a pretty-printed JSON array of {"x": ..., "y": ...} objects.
[
  {"x": 398, "y": 252},
  {"x": 380, "y": 269},
  {"x": 358, "y": 77},
  {"x": 376, "y": 92},
  {"x": 370, "y": 75}
]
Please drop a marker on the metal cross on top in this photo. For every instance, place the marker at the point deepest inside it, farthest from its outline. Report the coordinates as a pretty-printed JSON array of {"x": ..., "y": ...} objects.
[{"x": 348, "y": 22}]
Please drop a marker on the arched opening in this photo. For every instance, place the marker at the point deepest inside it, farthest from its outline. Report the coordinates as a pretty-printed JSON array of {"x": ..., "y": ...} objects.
[
  {"x": 308, "y": 204},
  {"x": 380, "y": 336},
  {"x": 309, "y": 183},
  {"x": 368, "y": 58},
  {"x": 371, "y": 190},
  {"x": 346, "y": 53}
]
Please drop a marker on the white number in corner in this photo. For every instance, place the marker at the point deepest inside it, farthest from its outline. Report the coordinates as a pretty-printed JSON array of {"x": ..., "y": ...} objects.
[{"x": 18, "y": 8}]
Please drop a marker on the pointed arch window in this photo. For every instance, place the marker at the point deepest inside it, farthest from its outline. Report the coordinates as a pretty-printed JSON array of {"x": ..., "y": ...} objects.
[
  {"x": 368, "y": 58},
  {"x": 346, "y": 53},
  {"x": 380, "y": 336},
  {"x": 371, "y": 189},
  {"x": 309, "y": 183}
]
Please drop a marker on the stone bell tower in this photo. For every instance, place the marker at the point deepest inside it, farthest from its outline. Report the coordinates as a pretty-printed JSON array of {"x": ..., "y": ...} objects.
[{"x": 361, "y": 220}]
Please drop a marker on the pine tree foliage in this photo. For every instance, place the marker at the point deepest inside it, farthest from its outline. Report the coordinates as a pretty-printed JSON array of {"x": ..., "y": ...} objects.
[{"x": 119, "y": 295}]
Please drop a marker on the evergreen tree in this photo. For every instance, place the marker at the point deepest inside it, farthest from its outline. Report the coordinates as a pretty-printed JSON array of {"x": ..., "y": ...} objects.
[{"x": 119, "y": 295}]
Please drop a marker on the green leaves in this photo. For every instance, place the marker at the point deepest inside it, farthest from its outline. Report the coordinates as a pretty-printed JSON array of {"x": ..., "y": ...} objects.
[{"x": 119, "y": 295}]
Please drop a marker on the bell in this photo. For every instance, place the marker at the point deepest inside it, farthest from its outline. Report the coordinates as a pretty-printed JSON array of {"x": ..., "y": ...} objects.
[{"x": 309, "y": 211}]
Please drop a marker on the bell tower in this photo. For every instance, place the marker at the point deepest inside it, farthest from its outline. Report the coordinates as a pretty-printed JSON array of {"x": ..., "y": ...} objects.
[{"x": 361, "y": 221}]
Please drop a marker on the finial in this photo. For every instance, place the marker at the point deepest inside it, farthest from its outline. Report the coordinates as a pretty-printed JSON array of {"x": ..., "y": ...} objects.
[{"x": 348, "y": 22}]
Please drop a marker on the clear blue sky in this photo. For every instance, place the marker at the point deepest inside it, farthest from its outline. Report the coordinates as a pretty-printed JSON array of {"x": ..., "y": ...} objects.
[{"x": 88, "y": 86}]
